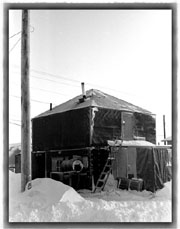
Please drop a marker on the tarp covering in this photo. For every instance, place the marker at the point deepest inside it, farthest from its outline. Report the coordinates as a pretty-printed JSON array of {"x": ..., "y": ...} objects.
[
  {"x": 161, "y": 160},
  {"x": 107, "y": 125},
  {"x": 91, "y": 121},
  {"x": 119, "y": 165},
  {"x": 152, "y": 167},
  {"x": 145, "y": 168},
  {"x": 145, "y": 126},
  {"x": 64, "y": 130},
  {"x": 147, "y": 163}
]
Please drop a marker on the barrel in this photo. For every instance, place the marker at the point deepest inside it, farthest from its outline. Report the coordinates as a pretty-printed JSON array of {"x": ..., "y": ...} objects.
[{"x": 71, "y": 165}]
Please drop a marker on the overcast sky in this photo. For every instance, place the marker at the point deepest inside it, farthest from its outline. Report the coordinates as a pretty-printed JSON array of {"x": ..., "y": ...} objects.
[{"x": 125, "y": 53}]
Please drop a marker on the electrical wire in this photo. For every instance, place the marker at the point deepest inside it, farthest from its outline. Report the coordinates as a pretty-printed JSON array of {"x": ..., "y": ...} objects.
[
  {"x": 21, "y": 32},
  {"x": 55, "y": 81},
  {"x": 44, "y": 90},
  {"x": 15, "y": 45},
  {"x": 76, "y": 81},
  {"x": 72, "y": 80},
  {"x": 15, "y": 34},
  {"x": 13, "y": 123},
  {"x": 19, "y": 38},
  {"x": 34, "y": 100},
  {"x": 57, "y": 76}
]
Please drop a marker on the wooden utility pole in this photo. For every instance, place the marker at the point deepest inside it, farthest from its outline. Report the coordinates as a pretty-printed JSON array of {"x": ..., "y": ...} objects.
[
  {"x": 25, "y": 104},
  {"x": 164, "y": 128}
]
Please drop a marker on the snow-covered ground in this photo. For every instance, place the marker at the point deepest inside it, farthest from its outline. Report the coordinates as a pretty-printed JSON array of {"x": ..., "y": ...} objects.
[{"x": 52, "y": 201}]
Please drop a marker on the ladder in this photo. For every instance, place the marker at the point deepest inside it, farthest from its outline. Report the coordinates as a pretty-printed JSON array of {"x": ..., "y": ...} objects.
[{"x": 101, "y": 182}]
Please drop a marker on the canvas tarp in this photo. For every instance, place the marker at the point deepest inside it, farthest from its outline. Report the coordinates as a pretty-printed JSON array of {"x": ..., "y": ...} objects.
[
  {"x": 64, "y": 130},
  {"x": 106, "y": 125},
  {"x": 147, "y": 163}
]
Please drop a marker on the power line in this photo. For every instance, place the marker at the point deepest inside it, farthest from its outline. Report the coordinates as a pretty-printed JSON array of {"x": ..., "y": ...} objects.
[
  {"x": 34, "y": 100},
  {"x": 38, "y": 101},
  {"x": 15, "y": 96},
  {"x": 57, "y": 76},
  {"x": 15, "y": 34},
  {"x": 13, "y": 123},
  {"x": 76, "y": 81},
  {"x": 45, "y": 90},
  {"x": 21, "y": 32},
  {"x": 15, "y": 45},
  {"x": 54, "y": 81},
  {"x": 54, "y": 92},
  {"x": 19, "y": 38}
]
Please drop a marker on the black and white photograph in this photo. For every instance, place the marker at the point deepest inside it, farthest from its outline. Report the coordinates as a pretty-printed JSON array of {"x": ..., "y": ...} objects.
[{"x": 90, "y": 114}]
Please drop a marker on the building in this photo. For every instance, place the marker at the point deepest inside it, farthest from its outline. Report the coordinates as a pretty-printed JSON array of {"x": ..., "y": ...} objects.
[
  {"x": 167, "y": 141},
  {"x": 70, "y": 141}
]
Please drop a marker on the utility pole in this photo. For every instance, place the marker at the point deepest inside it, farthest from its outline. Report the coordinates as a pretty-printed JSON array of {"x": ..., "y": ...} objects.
[
  {"x": 25, "y": 104},
  {"x": 164, "y": 128}
]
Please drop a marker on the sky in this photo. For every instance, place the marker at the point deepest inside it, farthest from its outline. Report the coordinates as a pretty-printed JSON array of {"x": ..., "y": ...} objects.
[{"x": 124, "y": 53}]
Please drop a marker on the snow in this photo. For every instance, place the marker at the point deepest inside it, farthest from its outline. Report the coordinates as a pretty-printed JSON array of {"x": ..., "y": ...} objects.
[
  {"x": 130, "y": 143},
  {"x": 52, "y": 201}
]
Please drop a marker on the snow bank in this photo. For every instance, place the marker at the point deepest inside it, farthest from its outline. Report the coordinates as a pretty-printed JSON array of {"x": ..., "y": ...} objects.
[
  {"x": 14, "y": 183},
  {"x": 52, "y": 201},
  {"x": 98, "y": 210},
  {"x": 44, "y": 193},
  {"x": 71, "y": 196}
]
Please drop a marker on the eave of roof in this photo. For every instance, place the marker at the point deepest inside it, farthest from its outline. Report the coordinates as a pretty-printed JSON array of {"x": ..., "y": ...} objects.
[{"x": 95, "y": 98}]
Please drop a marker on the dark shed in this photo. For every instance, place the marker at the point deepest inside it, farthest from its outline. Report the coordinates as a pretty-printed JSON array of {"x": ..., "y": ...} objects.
[
  {"x": 91, "y": 122},
  {"x": 70, "y": 141}
]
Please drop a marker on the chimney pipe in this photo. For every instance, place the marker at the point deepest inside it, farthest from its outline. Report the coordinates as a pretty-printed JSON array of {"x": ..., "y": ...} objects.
[
  {"x": 50, "y": 106},
  {"x": 83, "y": 90}
]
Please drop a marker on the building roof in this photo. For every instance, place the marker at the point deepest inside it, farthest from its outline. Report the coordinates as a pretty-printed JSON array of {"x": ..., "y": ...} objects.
[{"x": 95, "y": 98}]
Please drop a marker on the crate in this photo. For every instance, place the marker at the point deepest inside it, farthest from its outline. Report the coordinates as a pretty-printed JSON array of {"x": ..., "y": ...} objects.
[
  {"x": 123, "y": 183},
  {"x": 133, "y": 184},
  {"x": 136, "y": 184}
]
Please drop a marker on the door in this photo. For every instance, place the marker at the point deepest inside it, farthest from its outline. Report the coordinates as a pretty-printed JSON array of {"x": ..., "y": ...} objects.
[{"x": 127, "y": 126}]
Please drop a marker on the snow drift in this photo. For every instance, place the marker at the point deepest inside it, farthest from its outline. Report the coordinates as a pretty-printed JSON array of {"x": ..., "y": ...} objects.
[{"x": 52, "y": 201}]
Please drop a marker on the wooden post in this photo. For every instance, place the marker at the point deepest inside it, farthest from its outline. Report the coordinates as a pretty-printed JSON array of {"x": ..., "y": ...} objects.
[
  {"x": 25, "y": 104},
  {"x": 45, "y": 160},
  {"x": 164, "y": 128}
]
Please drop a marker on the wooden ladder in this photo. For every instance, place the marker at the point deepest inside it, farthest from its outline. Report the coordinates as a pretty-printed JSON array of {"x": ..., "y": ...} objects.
[{"x": 101, "y": 182}]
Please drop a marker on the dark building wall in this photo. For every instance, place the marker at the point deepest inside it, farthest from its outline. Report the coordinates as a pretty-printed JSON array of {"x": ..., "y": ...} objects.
[
  {"x": 145, "y": 126},
  {"x": 89, "y": 126},
  {"x": 64, "y": 130},
  {"x": 106, "y": 126}
]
